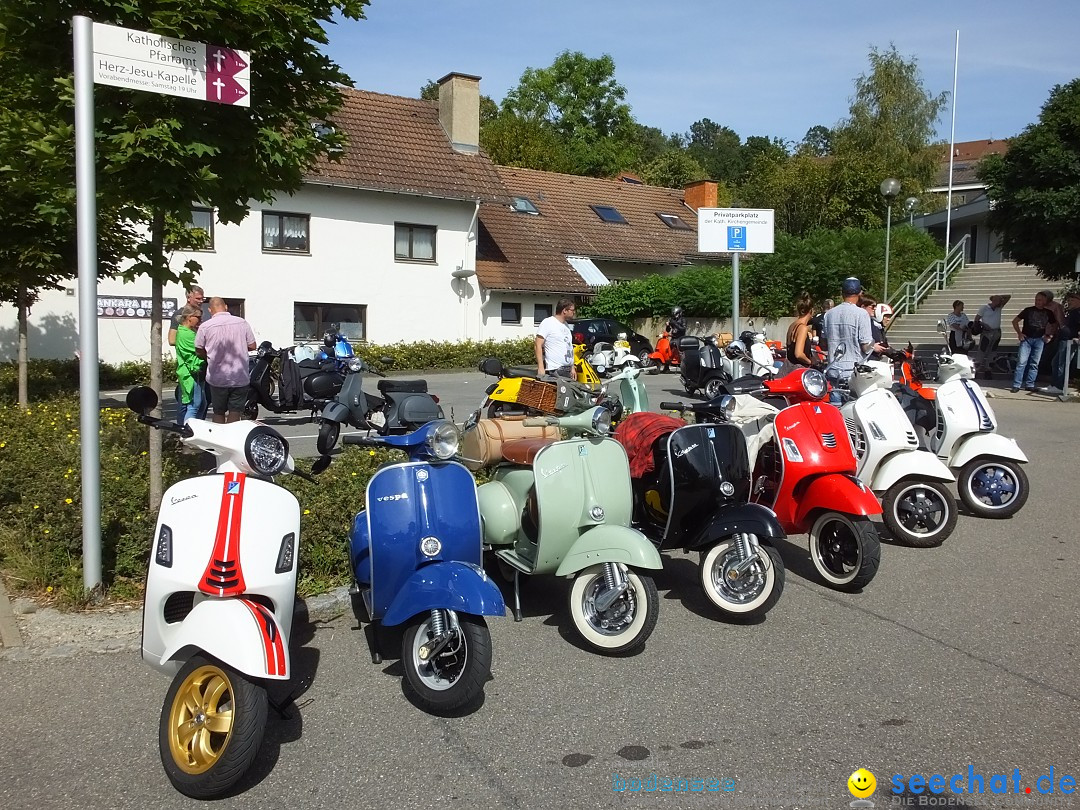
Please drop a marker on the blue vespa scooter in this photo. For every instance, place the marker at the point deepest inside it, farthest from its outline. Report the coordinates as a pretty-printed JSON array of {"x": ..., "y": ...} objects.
[{"x": 416, "y": 554}]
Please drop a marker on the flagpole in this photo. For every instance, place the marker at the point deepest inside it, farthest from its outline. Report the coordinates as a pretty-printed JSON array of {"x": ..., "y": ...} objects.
[{"x": 952, "y": 148}]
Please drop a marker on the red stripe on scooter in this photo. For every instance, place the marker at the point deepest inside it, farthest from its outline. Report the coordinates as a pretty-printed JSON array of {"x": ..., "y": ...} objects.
[
  {"x": 224, "y": 575},
  {"x": 258, "y": 612}
]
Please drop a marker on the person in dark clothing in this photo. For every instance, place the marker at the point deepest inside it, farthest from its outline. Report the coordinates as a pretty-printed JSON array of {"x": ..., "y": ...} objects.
[
  {"x": 1070, "y": 331},
  {"x": 817, "y": 323},
  {"x": 1038, "y": 330},
  {"x": 676, "y": 325},
  {"x": 800, "y": 349},
  {"x": 877, "y": 328}
]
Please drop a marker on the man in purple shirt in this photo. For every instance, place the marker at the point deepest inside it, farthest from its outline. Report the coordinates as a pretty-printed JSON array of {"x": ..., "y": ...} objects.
[{"x": 224, "y": 341}]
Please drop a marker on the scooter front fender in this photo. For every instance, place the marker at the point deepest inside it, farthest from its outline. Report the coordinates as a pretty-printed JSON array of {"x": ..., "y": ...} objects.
[
  {"x": 836, "y": 492},
  {"x": 985, "y": 444},
  {"x": 604, "y": 544},
  {"x": 450, "y": 585},
  {"x": 335, "y": 411},
  {"x": 919, "y": 464},
  {"x": 238, "y": 632},
  {"x": 748, "y": 518}
]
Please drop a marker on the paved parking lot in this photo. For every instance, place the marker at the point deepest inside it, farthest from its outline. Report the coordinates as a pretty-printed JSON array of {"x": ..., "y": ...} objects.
[{"x": 955, "y": 658}]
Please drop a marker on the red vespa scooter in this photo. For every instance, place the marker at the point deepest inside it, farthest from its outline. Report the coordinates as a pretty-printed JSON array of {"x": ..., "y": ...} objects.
[
  {"x": 666, "y": 354},
  {"x": 804, "y": 470}
]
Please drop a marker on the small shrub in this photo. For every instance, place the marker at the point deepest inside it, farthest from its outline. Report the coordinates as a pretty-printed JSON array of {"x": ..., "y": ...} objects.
[
  {"x": 430, "y": 354},
  {"x": 51, "y": 378}
]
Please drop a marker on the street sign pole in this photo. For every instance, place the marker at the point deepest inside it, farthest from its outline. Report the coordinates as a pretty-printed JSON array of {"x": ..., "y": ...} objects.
[
  {"x": 86, "y": 227},
  {"x": 735, "y": 296}
]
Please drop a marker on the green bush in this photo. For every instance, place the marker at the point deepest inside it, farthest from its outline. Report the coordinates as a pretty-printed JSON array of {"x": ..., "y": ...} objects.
[
  {"x": 50, "y": 378},
  {"x": 430, "y": 354}
]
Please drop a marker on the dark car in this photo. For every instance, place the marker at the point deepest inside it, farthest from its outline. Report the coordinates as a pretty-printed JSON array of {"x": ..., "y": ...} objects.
[{"x": 591, "y": 330}]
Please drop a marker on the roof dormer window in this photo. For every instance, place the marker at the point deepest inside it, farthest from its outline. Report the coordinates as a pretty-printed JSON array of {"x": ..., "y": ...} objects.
[
  {"x": 523, "y": 205},
  {"x": 674, "y": 221},
  {"x": 608, "y": 213}
]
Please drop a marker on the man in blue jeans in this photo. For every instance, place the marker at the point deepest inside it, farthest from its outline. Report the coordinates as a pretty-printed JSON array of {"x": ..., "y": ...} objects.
[
  {"x": 1039, "y": 327},
  {"x": 1069, "y": 331}
]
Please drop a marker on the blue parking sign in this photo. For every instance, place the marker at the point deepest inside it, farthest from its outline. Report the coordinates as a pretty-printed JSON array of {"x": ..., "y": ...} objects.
[{"x": 736, "y": 237}]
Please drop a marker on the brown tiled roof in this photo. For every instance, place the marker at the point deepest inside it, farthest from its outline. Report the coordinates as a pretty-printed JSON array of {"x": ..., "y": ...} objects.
[
  {"x": 397, "y": 144},
  {"x": 965, "y": 161},
  {"x": 528, "y": 252}
]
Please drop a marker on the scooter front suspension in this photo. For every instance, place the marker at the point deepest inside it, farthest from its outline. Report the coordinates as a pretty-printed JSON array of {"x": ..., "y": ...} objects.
[
  {"x": 615, "y": 582},
  {"x": 746, "y": 546}
]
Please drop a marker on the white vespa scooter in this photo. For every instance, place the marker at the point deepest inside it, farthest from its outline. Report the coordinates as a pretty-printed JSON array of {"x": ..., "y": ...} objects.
[
  {"x": 918, "y": 507},
  {"x": 218, "y": 607},
  {"x": 960, "y": 429},
  {"x": 612, "y": 358}
]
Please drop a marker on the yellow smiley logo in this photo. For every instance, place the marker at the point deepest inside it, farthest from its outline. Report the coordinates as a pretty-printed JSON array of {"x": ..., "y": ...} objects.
[{"x": 861, "y": 783}]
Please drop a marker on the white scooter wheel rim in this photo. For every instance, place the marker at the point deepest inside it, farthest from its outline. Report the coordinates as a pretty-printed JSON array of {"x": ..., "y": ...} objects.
[
  {"x": 432, "y": 677},
  {"x": 748, "y": 593},
  {"x": 586, "y": 584}
]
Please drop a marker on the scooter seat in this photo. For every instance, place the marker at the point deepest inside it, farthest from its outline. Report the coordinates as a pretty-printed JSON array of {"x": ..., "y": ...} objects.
[
  {"x": 520, "y": 371},
  {"x": 403, "y": 386},
  {"x": 523, "y": 451}
]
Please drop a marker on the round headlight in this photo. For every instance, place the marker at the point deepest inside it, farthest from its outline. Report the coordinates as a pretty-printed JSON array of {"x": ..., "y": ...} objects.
[
  {"x": 355, "y": 364},
  {"x": 814, "y": 384},
  {"x": 443, "y": 442},
  {"x": 266, "y": 450},
  {"x": 727, "y": 405},
  {"x": 601, "y": 421}
]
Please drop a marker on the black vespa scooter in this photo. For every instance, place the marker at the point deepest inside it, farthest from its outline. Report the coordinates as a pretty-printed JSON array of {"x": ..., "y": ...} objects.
[{"x": 696, "y": 498}]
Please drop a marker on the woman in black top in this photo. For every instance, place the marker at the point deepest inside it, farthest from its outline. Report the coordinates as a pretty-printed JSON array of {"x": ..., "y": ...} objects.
[{"x": 800, "y": 350}]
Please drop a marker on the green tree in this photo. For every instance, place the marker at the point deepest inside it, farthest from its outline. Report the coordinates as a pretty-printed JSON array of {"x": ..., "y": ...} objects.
[
  {"x": 718, "y": 149},
  {"x": 673, "y": 169},
  {"x": 1035, "y": 187},
  {"x": 759, "y": 146},
  {"x": 817, "y": 141},
  {"x": 513, "y": 141}
]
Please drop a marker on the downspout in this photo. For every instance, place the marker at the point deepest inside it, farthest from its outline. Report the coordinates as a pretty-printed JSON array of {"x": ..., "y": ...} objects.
[{"x": 465, "y": 302}]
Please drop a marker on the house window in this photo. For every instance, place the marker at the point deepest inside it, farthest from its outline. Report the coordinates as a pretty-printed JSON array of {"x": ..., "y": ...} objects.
[
  {"x": 541, "y": 311},
  {"x": 234, "y": 305},
  {"x": 414, "y": 242},
  {"x": 608, "y": 213},
  {"x": 286, "y": 232},
  {"x": 203, "y": 220},
  {"x": 310, "y": 321},
  {"x": 674, "y": 221},
  {"x": 511, "y": 313},
  {"x": 523, "y": 205}
]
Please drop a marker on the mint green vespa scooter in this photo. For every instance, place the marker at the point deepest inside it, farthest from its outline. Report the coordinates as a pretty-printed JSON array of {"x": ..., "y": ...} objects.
[{"x": 564, "y": 507}]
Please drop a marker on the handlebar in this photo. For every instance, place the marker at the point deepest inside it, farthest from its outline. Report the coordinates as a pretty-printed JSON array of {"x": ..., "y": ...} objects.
[
  {"x": 674, "y": 406},
  {"x": 364, "y": 441},
  {"x": 164, "y": 424}
]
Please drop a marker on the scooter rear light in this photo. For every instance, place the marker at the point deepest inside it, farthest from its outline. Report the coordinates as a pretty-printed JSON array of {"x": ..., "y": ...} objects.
[
  {"x": 579, "y": 337},
  {"x": 286, "y": 557},
  {"x": 434, "y": 398},
  {"x": 163, "y": 552}
]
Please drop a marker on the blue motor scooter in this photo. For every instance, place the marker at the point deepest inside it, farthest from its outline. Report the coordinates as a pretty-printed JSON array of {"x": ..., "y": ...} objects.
[{"x": 416, "y": 554}]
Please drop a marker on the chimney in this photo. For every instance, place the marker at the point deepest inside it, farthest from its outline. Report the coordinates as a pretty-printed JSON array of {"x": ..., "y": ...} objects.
[
  {"x": 459, "y": 111},
  {"x": 701, "y": 194}
]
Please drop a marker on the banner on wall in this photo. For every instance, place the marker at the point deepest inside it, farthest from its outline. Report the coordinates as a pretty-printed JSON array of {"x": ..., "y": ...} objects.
[{"x": 109, "y": 306}]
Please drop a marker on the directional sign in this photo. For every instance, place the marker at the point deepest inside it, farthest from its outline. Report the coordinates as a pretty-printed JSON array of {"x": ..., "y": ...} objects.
[
  {"x": 124, "y": 57},
  {"x": 735, "y": 230}
]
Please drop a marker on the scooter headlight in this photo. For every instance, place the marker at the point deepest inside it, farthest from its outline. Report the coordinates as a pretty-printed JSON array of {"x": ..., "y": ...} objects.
[
  {"x": 601, "y": 421},
  {"x": 444, "y": 441},
  {"x": 266, "y": 450},
  {"x": 727, "y": 405},
  {"x": 354, "y": 364},
  {"x": 813, "y": 382}
]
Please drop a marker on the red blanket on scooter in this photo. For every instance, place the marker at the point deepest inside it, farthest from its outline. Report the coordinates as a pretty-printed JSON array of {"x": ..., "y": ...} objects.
[{"x": 637, "y": 432}]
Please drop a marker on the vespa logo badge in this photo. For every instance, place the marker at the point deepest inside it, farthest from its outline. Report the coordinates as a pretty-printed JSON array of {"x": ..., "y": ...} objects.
[
  {"x": 727, "y": 489},
  {"x": 553, "y": 470},
  {"x": 234, "y": 488},
  {"x": 421, "y": 475},
  {"x": 684, "y": 451},
  {"x": 401, "y": 496},
  {"x": 175, "y": 500}
]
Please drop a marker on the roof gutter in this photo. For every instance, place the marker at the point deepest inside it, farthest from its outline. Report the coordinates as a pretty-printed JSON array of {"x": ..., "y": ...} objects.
[{"x": 428, "y": 195}]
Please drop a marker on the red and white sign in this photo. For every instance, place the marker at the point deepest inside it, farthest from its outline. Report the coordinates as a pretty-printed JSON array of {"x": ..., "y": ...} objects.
[{"x": 124, "y": 57}]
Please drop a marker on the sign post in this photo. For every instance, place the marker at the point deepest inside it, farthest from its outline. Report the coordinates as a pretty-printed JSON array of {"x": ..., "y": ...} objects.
[
  {"x": 123, "y": 57},
  {"x": 735, "y": 231}
]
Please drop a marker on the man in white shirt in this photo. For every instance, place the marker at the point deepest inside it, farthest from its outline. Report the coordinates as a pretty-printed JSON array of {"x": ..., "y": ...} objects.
[
  {"x": 555, "y": 343},
  {"x": 989, "y": 332}
]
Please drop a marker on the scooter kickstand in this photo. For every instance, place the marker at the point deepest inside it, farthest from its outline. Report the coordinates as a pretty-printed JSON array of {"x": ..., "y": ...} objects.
[
  {"x": 372, "y": 633},
  {"x": 517, "y": 596}
]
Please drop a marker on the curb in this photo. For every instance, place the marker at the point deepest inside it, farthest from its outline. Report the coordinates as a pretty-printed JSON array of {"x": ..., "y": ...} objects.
[{"x": 9, "y": 628}]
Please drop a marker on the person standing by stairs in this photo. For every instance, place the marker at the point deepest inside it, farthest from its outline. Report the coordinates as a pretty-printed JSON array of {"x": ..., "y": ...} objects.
[
  {"x": 1038, "y": 330},
  {"x": 989, "y": 331}
]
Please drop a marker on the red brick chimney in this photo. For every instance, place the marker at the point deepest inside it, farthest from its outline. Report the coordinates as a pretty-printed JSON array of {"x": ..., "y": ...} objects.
[{"x": 701, "y": 194}]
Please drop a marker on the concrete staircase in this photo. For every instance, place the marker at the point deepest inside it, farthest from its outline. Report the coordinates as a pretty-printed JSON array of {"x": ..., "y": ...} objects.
[{"x": 973, "y": 285}]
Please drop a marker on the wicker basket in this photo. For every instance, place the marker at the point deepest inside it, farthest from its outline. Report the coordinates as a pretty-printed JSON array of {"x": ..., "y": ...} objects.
[{"x": 537, "y": 395}]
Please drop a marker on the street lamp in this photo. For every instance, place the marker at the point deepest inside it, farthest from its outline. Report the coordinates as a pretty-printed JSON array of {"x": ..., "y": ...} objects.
[
  {"x": 890, "y": 188},
  {"x": 910, "y": 204}
]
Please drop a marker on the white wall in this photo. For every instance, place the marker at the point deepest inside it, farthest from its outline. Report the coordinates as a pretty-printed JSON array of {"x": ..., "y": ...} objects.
[
  {"x": 491, "y": 314},
  {"x": 351, "y": 236}
]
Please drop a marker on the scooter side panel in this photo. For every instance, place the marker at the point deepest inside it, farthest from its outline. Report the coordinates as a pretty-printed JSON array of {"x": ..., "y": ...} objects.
[
  {"x": 608, "y": 543},
  {"x": 819, "y": 432},
  {"x": 985, "y": 444},
  {"x": 238, "y": 632},
  {"x": 407, "y": 503},
  {"x": 836, "y": 493},
  {"x": 500, "y": 514},
  {"x": 462, "y": 587},
  {"x": 919, "y": 464}
]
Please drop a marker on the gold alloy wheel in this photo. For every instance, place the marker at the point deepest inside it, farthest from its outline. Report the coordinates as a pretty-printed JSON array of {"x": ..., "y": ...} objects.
[{"x": 201, "y": 719}]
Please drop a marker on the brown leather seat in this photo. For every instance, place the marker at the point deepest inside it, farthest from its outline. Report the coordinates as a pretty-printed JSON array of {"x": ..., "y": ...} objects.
[{"x": 523, "y": 451}]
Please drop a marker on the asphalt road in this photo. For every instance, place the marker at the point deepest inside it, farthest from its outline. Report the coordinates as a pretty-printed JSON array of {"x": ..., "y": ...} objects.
[{"x": 955, "y": 657}]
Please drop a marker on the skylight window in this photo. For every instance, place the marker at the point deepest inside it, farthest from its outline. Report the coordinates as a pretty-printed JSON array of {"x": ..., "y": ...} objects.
[
  {"x": 608, "y": 213},
  {"x": 523, "y": 205},
  {"x": 673, "y": 221}
]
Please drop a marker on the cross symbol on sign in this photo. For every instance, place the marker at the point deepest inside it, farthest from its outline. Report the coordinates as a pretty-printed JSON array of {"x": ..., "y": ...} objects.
[
  {"x": 219, "y": 57},
  {"x": 219, "y": 84}
]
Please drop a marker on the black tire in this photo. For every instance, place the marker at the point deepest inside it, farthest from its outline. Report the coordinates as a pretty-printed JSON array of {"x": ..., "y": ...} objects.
[
  {"x": 751, "y": 595},
  {"x": 845, "y": 550},
  {"x": 207, "y": 763},
  {"x": 632, "y": 634},
  {"x": 329, "y": 431},
  {"x": 993, "y": 487},
  {"x": 644, "y": 358},
  {"x": 463, "y": 668},
  {"x": 497, "y": 409},
  {"x": 251, "y": 410},
  {"x": 667, "y": 367},
  {"x": 919, "y": 513},
  {"x": 690, "y": 389},
  {"x": 713, "y": 388}
]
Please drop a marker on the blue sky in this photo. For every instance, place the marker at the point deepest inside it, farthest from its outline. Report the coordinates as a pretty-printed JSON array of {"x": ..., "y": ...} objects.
[{"x": 770, "y": 68}]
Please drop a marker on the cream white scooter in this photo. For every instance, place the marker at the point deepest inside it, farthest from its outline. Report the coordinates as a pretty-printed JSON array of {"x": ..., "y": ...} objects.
[
  {"x": 918, "y": 507},
  {"x": 220, "y": 589}
]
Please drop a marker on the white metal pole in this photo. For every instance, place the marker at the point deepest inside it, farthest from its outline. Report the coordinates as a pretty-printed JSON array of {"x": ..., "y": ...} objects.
[
  {"x": 888, "y": 234},
  {"x": 735, "y": 297},
  {"x": 952, "y": 150},
  {"x": 86, "y": 224}
]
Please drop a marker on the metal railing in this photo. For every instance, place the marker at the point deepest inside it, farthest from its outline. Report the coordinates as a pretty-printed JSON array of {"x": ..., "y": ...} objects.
[{"x": 934, "y": 277}]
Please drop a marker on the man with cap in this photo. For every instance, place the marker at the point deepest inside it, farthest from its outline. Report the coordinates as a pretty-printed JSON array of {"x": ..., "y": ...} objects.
[{"x": 848, "y": 335}]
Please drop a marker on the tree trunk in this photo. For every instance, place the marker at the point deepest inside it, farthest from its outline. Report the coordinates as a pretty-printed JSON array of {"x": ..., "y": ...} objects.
[
  {"x": 157, "y": 239},
  {"x": 24, "y": 309}
]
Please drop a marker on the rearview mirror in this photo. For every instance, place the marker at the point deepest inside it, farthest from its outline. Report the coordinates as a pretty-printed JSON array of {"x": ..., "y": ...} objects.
[
  {"x": 321, "y": 463},
  {"x": 142, "y": 399},
  {"x": 386, "y": 361}
]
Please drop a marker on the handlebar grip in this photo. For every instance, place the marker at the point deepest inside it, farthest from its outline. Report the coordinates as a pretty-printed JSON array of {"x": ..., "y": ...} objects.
[
  {"x": 356, "y": 438},
  {"x": 164, "y": 424},
  {"x": 540, "y": 421},
  {"x": 673, "y": 406}
]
